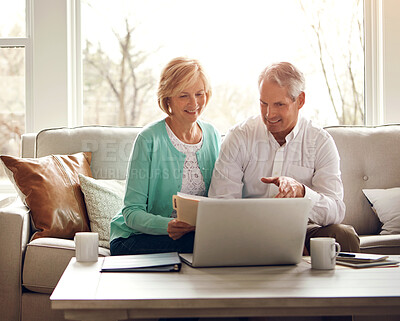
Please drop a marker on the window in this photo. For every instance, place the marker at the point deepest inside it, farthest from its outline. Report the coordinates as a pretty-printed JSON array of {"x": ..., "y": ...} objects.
[
  {"x": 13, "y": 53},
  {"x": 276, "y": 30},
  {"x": 125, "y": 44},
  {"x": 12, "y": 19},
  {"x": 12, "y": 98}
]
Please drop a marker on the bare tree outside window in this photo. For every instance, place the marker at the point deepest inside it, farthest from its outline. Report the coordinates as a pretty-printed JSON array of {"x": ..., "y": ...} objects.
[
  {"x": 121, "y": 82},
  {"x": 12, "y": 79},
  {"x": 342, "y": 67},
  {"x": 123, "y": 60},
  {"x": 12, "y": 101}
]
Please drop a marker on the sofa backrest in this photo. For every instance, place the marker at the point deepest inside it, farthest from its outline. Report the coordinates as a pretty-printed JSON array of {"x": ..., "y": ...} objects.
[
  {"x": 370, "y": 158},
  {"x": 110, "y": 146}
]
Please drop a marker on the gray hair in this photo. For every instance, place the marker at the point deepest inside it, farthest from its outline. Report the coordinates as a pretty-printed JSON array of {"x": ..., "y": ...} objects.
[{"x": 285, "y": 75}]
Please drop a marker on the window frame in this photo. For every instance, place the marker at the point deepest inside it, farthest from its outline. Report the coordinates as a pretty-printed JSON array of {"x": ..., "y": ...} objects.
[
  {"x": 66, "y": 82},
  {"x": 374, "y": 64},
  {"x": 26, "y": 43},
  {"x": 22, "y": 42},
  {"x": 70, "y": 113}
]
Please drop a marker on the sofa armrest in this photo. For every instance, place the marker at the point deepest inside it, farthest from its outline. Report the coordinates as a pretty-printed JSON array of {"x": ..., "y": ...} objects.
[{"x": 14, "y": 236}]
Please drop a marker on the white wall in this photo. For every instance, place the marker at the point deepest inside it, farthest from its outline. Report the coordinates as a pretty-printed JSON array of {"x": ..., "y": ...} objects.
[{"x": 391, "y": 60}]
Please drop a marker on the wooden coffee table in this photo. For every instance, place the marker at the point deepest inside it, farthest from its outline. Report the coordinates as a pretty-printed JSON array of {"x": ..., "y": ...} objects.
[{"x": 83, "y": 293}]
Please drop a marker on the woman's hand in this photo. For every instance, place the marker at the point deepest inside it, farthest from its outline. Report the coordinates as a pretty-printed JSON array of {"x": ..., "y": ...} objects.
[{"x": 176, "y": 229}]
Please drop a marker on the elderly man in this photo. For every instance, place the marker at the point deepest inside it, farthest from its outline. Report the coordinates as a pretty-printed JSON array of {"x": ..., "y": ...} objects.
[{"x": 281, "y": 154}]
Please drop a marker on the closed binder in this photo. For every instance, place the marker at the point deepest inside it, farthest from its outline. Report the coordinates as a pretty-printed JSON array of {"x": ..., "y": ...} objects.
[{"x": 159, "y": 262}]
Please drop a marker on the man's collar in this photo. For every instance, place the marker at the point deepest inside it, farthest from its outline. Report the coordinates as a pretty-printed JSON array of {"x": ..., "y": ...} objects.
[{"x": 294, "y": 131}]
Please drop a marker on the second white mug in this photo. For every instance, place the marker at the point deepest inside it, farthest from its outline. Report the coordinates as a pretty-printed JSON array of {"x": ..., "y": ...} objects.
[
  {"x": 324, "y": 251},
  {"x": 86, "y": 246}
]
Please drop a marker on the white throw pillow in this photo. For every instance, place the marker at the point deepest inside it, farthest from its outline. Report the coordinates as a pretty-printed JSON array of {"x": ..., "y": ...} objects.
[
  {"x": 386, "y": 205},
  {"x": 104, "y": 198}
]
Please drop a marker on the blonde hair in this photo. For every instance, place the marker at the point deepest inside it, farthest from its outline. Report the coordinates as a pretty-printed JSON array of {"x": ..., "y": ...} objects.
[
  {"x": 285, "y": 75},
  {"x": 178, "y": 74}
]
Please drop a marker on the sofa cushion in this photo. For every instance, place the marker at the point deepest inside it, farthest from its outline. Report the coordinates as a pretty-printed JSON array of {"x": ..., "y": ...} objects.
[
  {"x": 110, "y": 146},
  {"x": 369, "y": 157},
  {"x": 104, "y": 198},
  {"x": 386, "y": 204},
  {"x": 380, "y": 244},
  {"x": 45, "y": 261},
  {"x": 49, "y": 186}
]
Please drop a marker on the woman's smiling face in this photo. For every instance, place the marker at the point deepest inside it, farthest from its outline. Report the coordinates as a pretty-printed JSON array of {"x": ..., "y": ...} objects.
[{"x": 189, "y": 104}]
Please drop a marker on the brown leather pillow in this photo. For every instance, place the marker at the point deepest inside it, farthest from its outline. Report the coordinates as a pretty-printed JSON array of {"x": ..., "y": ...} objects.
[{"x": 50, "y": 188}]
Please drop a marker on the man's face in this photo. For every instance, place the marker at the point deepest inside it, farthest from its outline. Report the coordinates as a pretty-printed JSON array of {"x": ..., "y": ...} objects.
[{"x": 279, "y": 112}]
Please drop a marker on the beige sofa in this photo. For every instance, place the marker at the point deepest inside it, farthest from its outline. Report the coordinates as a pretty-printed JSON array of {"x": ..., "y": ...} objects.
[{"x": 29, "y": 270}]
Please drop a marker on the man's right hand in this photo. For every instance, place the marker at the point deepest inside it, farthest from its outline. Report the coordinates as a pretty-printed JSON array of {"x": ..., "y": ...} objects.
[{"x": 287, "y": 186}]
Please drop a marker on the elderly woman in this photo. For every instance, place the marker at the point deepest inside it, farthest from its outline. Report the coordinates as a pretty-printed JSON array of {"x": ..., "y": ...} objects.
[{"x": 175, "y": 154}]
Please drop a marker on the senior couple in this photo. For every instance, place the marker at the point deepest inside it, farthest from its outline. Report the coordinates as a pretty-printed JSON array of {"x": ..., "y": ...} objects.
[{"x": 277, "y": 153}]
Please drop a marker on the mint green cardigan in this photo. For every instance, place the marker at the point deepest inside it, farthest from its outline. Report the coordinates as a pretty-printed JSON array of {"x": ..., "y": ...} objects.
[{"x": 154, "y": 175}]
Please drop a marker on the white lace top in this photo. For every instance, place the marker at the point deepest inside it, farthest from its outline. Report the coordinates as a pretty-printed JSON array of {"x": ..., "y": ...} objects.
[{"x": 192, "y": 179}]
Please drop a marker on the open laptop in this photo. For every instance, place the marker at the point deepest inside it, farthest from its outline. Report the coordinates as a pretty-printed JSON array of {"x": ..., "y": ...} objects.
[{"x": 240, "y": 232}]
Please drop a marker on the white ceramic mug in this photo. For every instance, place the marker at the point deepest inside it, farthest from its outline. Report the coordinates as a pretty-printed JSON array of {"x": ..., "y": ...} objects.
[
  {"x": 324, "y": 251},
  {"x": 86, "y": 246}
]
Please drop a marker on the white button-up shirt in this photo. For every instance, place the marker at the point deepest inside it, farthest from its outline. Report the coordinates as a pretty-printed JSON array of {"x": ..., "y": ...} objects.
[{"x": 249, "y": 152}]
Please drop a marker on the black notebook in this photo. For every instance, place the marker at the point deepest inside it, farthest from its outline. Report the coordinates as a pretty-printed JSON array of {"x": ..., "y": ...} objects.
[{"x": 159, "y": 262}]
